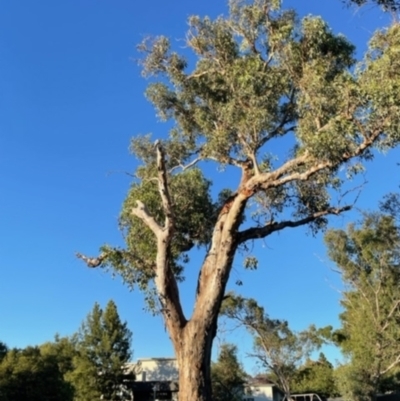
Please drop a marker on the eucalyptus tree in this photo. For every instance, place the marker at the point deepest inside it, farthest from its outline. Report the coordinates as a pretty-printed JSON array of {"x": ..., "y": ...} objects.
[
  {"x": 263, "y": 80},
  {"x": 368, "y": 258},
  {"x": 278, "y": 349}
]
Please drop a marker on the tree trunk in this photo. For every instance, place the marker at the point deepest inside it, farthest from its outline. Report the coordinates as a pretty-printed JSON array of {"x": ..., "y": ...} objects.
[
  {"x": 194, "y": 359},
  {"x": 193, "y": 344}
]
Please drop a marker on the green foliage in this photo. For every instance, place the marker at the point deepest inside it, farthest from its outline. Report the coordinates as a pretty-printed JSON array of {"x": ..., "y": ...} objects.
[
  {"x": 383, "y": 62},
  {"x": 227, "y": 375},
  {"x": 315, "y": 377},
  {"x": 63, "y": 349},
  {"x": 103, "y": 348},
  {"x": 276, "y": 346},
  {"x": 141, "y": 241},
  {"x": 85, "y": 367},
  {"x": 351, "y": 384},
  {"x": 368, "y": 256},
  {"x": 32, "y": 375},
  {"x": 261, "y": 74}
]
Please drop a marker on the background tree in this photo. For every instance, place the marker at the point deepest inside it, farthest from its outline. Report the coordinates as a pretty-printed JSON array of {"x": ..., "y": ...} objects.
[
  {"x": 3, "y": 350},
  {"x": 315, "y": 377},
  {"x": 103, "y": 348},
  {"x": 227, "y": 375},
  {"x": 278, "y": 349},
  {"x": 64, "y": 350},
  {"x": 368, "y": 258},
  {"x": 29, "y": 375},
  {"x": 261, "y": 77},
  {"x": 3, "y": 353}
]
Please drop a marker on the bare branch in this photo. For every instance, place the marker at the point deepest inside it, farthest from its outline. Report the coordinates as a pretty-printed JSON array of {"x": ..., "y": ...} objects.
[
  {"x": 141, "y": 211},
  {"x": 389, "y": 316},
  {"x": 198, "y": 75},
  {"x": 92, "y": 262},
  {"x": 164, "y": 279},
  {"x": 262, "y": 232},
  {"x": 274, "y": 178},
  {"x": 391, "y": 366},
  {"x": 184, "y": 167},
  {"x": 163, "y": 186}
]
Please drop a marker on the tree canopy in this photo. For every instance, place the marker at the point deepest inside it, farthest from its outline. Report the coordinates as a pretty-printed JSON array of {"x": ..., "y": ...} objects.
[
  {"x": 260, "y": 76},
  {"x": 315, "y": 376}
]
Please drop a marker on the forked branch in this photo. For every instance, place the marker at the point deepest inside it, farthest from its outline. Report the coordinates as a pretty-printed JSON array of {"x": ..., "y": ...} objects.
[
  {"x": 141, "y": 211},
  {"x": 288, "y": 173}
]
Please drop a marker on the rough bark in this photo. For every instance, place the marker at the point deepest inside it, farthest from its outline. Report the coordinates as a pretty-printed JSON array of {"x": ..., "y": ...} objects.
[
  {"x": 193, "y": 350},
  {"x": 194, "y": 359}
]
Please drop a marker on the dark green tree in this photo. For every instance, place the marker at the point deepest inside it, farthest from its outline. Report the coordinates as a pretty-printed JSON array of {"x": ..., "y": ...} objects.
[
  {"x": 227, "y": 375},
  {"x": 262, "y": 80},
  {"x": 315, "y": 377},
  {"x": 368, "y": 258},
  {"x": 103, "y": 348},
  {"x": 3, "y": 350},
  {"x": 63, "y": 349},
  {"x": 29, "y": 375}
]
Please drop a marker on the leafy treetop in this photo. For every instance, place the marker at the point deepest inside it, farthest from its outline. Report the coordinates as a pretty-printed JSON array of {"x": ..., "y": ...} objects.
[{"x": 261, "y": 76}]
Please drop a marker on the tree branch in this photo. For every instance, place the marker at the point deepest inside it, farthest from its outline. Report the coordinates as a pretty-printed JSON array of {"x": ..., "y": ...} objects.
[
  {"x": 231, "y": 161},
  {"x": 141, "y": 211},
  {"x": 164, "y": 279},
  {"x": 184, "y": 167},
  {"x": 92, "y": 262},
  {"x": 389, "y": 316},
  {"x": 163, "y": 187},
  {"x": 285, "y": 120},
  {"x": 262, "y": 232},
  {"x": 391, "y": 366},
  {"x": 285, "y": 173}
]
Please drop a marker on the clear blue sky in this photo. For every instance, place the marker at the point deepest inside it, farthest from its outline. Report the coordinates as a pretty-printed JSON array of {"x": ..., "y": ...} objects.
[{"x": 71, "y": 97}]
